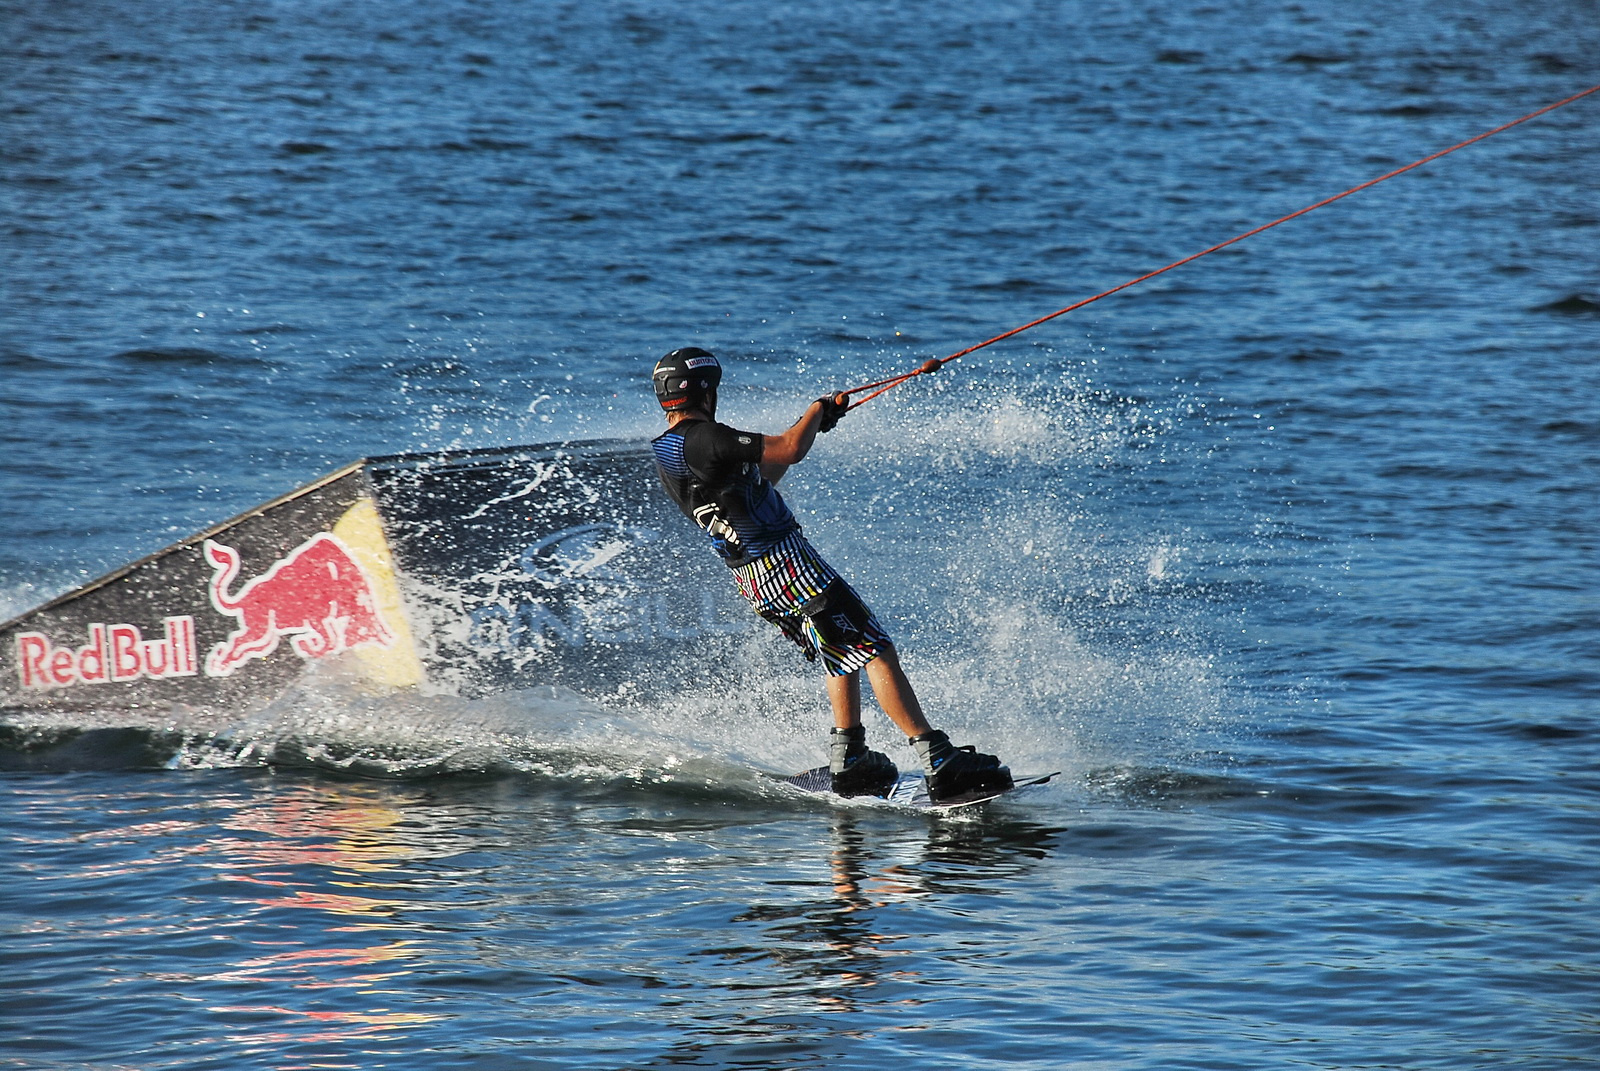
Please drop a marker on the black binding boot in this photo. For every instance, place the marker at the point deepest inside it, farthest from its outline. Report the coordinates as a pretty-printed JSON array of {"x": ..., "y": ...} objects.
[
  {"x": 857, "y": 771},
  {"x": 954, "y": 771}
]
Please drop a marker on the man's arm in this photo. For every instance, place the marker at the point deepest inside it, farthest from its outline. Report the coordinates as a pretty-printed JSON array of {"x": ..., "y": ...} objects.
[{"x": 778, "y": 452}]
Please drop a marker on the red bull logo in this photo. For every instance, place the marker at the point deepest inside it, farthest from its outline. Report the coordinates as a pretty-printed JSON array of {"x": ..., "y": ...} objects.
[{"x": 317, "y": 597}]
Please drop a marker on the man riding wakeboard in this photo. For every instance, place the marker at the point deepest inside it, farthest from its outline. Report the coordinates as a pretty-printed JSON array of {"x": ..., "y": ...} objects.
[{"x": 723, "y": 479}]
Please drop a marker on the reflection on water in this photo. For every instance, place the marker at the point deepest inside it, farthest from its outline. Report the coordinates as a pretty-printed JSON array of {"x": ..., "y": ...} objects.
[
  {"x": 296, "y": 921},
  {"x": 293, "y": 848},
  {"x": 846, "y": 941},
  {"x": 313, "y": 894},
  {"x": 308, "y": 914},
  {"x": 327, "y": 1026}
]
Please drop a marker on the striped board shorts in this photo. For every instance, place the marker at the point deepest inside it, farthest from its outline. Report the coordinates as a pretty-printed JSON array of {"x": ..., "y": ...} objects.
[{"x": 792, "y": 587}]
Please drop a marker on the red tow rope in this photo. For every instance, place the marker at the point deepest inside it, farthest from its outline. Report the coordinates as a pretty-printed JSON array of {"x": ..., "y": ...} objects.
[{"x": 936, "y": 363}]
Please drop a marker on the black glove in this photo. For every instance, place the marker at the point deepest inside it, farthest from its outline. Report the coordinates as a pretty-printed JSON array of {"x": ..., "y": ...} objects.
[{"x": 833, "y": 411}]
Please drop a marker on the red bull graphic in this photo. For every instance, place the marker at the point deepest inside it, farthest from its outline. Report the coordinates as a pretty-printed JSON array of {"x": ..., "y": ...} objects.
[
  {"x": 317, "y": 595},
  {"x": 114, "y": 654}
]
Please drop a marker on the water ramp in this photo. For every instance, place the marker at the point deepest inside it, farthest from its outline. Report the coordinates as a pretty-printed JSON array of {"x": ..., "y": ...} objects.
[{"x": 465, "y": 573}]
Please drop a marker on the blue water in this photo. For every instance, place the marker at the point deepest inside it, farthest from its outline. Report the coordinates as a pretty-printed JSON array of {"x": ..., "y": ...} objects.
[{"x": 1287, "y": 559}]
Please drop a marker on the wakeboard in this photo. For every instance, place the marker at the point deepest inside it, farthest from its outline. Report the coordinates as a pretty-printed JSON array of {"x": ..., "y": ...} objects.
[{"x": 911, "y": 790}]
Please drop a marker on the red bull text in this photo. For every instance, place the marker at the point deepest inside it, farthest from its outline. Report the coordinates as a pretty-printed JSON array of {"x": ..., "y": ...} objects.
[{"x": 114, "y": 654}]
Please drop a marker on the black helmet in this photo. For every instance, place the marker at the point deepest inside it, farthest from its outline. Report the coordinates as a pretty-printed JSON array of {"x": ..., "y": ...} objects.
[{"x": 686, "y": 377}]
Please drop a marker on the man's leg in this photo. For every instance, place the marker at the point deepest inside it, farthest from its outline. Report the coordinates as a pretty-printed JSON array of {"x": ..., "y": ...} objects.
[
  {"x": 950, "y": 770},
  {"x": 844, "y": 693},
  {"x": 890, "y": 686},
  {"x": 893, "y": 691}
]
